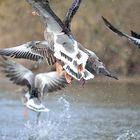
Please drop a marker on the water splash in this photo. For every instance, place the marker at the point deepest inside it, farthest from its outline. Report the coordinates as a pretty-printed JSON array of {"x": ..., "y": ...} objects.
[
  {"x": 128, "y": 136},
  {"x": 2, "y": 134},
  {"x": 66, "y": 107},
  {"x": 53, "y": 126}
]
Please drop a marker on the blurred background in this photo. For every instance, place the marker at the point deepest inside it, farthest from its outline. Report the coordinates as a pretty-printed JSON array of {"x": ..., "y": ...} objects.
[{"x": 17, "y": 26}]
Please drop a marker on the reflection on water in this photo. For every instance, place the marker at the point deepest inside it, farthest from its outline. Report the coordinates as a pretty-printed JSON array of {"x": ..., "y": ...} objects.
[{"x": 102, "y": 111}]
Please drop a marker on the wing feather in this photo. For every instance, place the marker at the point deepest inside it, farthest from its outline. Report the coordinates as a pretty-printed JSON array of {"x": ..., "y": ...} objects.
[
  {"x": 50, "y": 82},
  {"x": 134, "y": 34},
  {"x": 132, "y": 38},
  {"x": 17, "y": 73},
  {"x": 71, "y": 12},
  {"x": 33, "y": 50},
  {"x": 43, "y": 8}
]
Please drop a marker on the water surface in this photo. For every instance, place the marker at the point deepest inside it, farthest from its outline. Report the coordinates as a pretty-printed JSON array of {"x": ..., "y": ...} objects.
[{"x": 100, "y": 111}]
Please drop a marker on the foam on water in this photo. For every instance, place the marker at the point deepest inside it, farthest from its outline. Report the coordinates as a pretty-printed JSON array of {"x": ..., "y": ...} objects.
[{"x": 52, "y": 126}]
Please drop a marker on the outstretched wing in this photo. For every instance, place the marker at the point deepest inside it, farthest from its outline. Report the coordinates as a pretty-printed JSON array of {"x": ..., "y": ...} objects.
[
  {"x": 49, "y": 82},
  {"x": 33, "y": 50},
  {"x": 135, "y": 40},
  {"x": 71, "y": 12},
  {"x": 42, "y": 7},
  {"x": 17, "y": 73},
  {"x": 134, "y": 34}
]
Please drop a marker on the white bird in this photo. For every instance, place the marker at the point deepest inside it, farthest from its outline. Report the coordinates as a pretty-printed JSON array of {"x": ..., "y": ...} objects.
[
  {"x": 135, "y": 38},
  {"x": 39, "y": 50},
  {"x": 93, "y": 64},
  {"x": 37, "y": 85},
  {"x": 60, "y": 44},
  {"x": 64, "y": 44}
]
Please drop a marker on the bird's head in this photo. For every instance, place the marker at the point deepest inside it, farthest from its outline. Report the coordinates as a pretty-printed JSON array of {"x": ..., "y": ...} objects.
[{"x": 96, "y": 66}]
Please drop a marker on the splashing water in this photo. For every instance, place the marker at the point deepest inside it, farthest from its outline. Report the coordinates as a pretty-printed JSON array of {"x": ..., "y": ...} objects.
[
  {"x": 53, "y": 126},
  {"x": 66, "y": 113},
  {"x": 128, "y": 136},
  {"x": 3, "y": 135},
  {"x": 86, "y": 115}
]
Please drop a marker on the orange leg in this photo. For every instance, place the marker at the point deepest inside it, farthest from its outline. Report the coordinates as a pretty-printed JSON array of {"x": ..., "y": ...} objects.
[
  {"x": 80, "y": 68},
  {"x": 68, "y": 78},
  {"x": 59, "y": 68}
]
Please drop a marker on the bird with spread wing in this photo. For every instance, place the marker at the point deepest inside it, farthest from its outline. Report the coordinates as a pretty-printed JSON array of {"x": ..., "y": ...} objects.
[
  {"x": 60, "y": 46},
  {"x": 37, "y": 84}
]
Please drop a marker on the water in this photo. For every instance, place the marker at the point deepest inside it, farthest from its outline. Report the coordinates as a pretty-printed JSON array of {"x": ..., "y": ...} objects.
[{"x": 100, "y": 111}]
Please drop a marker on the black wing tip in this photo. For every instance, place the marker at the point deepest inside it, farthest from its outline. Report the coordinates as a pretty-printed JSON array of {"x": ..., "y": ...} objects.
[
  {"x": 121, "y": 34},
  {"x": 108, "y": 24},
  {"x": 134, "y": 34},
  {"x": 71, "y": 12},
  {"x": 105, "y": 21},
  {"x": 112, "y": 28}
]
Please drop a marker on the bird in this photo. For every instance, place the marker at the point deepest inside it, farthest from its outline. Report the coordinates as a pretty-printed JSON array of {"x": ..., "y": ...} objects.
[
  {"x": 59, "y": 44},
  {"x": 134, "y": 37},
  {"x": 93, "y": 60},
  {"x": 39, "y": 50},
  {"x": 97, "y": 67},
  {"x": 37, "y": 85},
  {"x": 64, "y": 44},
  {"x": 94, "y": 65}
]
